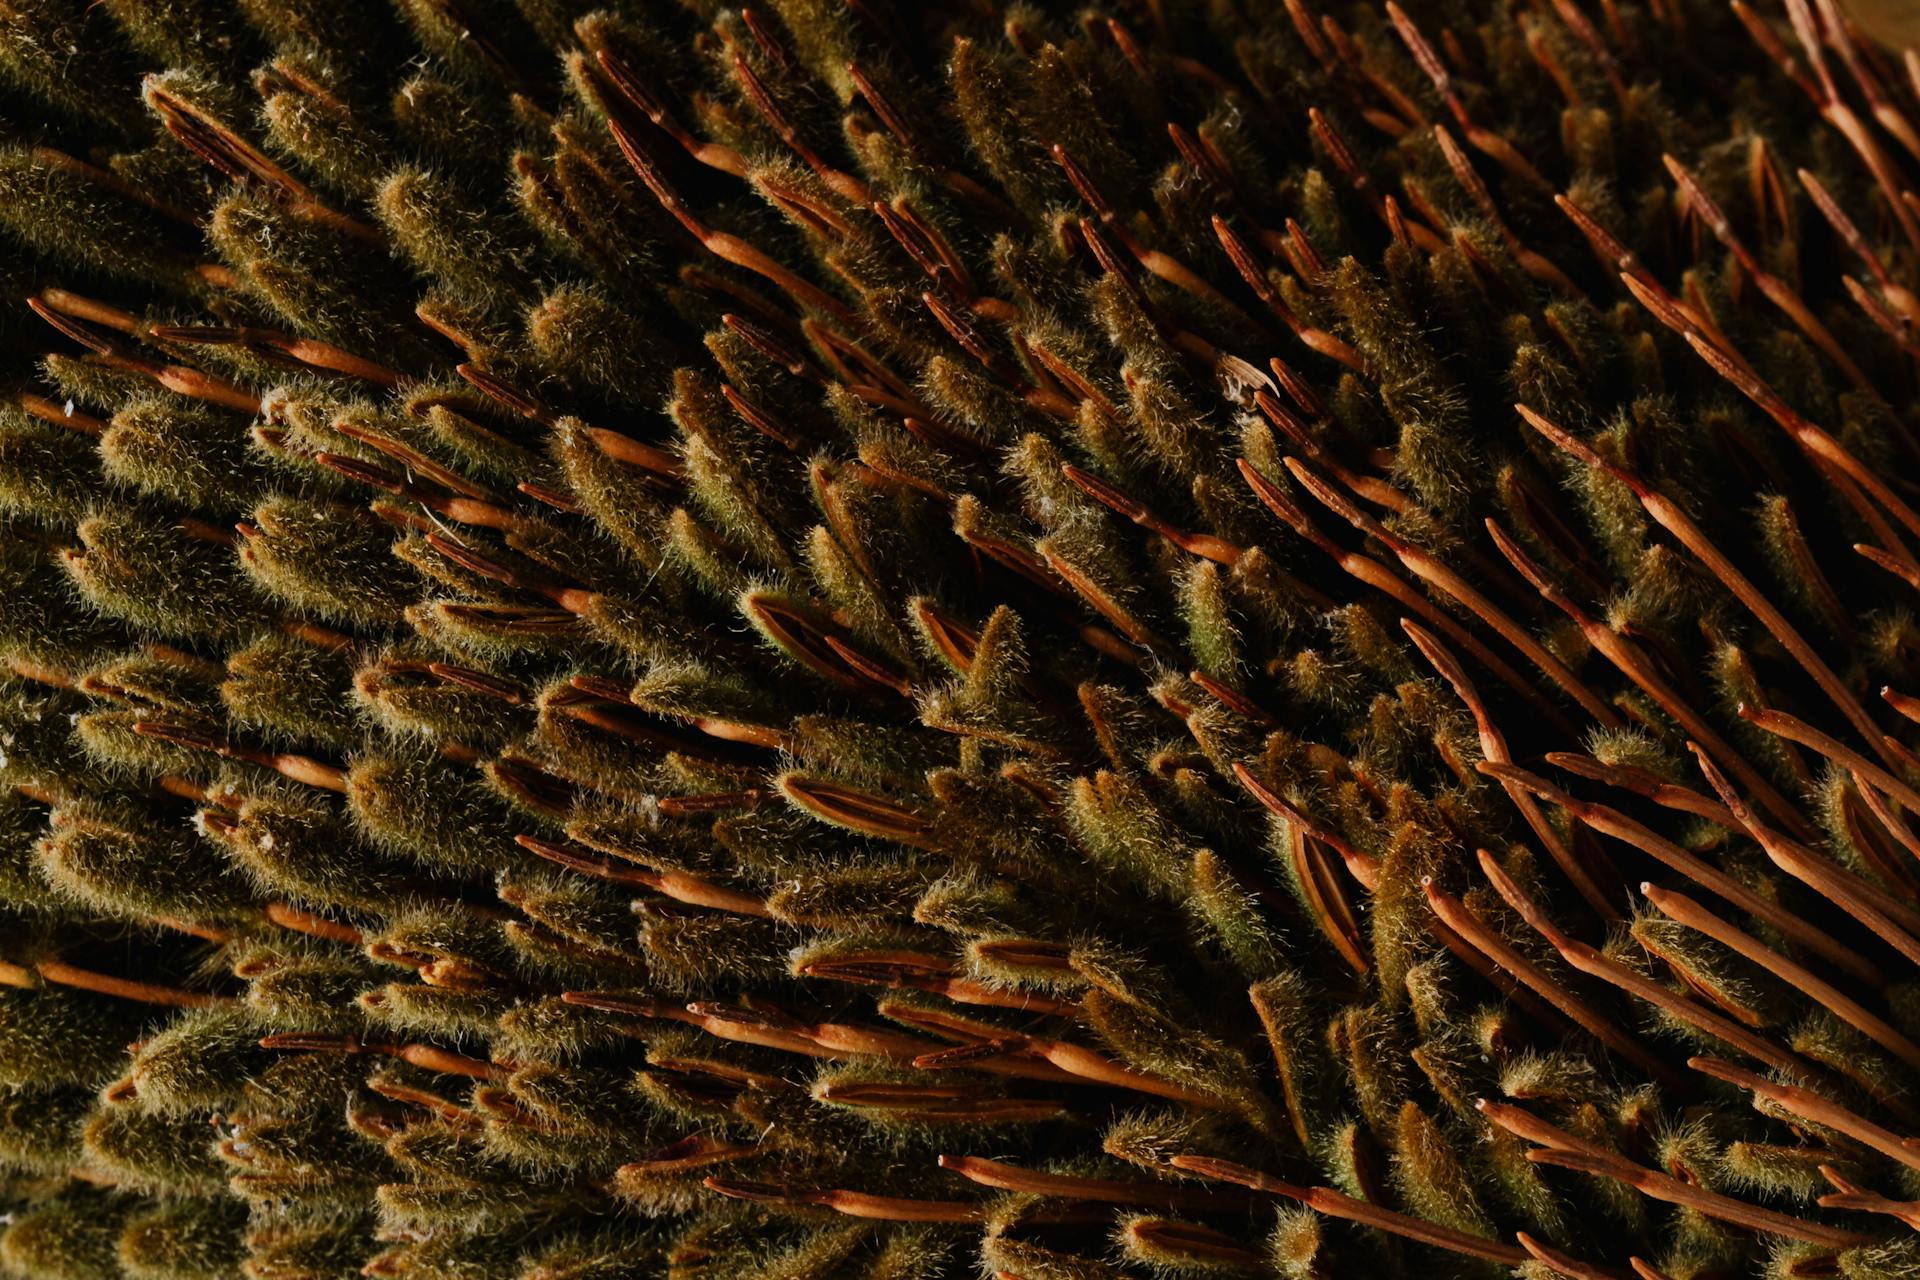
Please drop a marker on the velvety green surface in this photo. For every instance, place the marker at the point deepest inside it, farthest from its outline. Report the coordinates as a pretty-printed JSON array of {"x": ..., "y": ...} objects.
[{"x": 863, "y": 639}]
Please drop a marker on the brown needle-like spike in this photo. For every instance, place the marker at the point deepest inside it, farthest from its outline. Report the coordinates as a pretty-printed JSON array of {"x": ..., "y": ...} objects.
[
  {"x": 1612, "y": 822},
  {"x": 1493, "y": 745},
  {"x": 1776, "y": 290},
  {"x": 1809, "y": 1105},
  {"x": 1008, "y": 1177},
  {"x": 1644, "y": 782},
  {"x": 1898, "y": 296},
  {"x": 1200, "y": 544},
  {"x": 1470, "y": 926},
  {"x": 1560, "y": 1263},
  {"x": 1668, "y": 515},
  {"x": 1893, "y": 922},
  {"x": 1590, "y": 961},
  {"x": 1563, "y": 1149},
  {"x": 1365, "y": 867},
  {"x": 1338, "y": 1205},
  {"x": 855, "y": 1204},
  {"x": 1679, "y": 907},
  {"x": 61, "y": 973},
  {"x": 1626, "y": 656},
  {"x": 1374, "y": 574},
  {"x": 1430, "y": 568},
  {"x": 1851, "y": 1195},
  {"x": 722, "y": 244}
]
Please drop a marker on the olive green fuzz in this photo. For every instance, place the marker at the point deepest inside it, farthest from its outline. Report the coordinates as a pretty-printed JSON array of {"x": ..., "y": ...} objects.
[{"x": 856, "y": 638}]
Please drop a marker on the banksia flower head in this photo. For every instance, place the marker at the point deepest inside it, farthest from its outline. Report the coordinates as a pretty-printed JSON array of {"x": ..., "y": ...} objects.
[{"x": 905, "y": 641}]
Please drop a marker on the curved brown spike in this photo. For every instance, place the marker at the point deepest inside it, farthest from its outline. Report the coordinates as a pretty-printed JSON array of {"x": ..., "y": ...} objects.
[
  {"x": 1405, "y": 113},
  {"x": 678, "y": 885},
  {"x": 1583, "y": 30},
  {"x": 1469, "y": 926},
  {"x": 1234, "y": 700},
  {"x": 60, "y": 973},
  {"x": 818, "y": 648},
  {"x": 1204, "y": 159},
  {"x": 1669, "y": 516},
  {"x": 961, "y": 329},
  {"x": 1776, "y": 49},
  {"x": 691, "y": 1152},
  {"x": 575, "y": 600},
  {"x": 1429, "y": 567},
  {"x": 1837, "y": 113},
  {"x": 1428, "y": 61},
  {"x": 1007, "y": 1177},
  {"x": 1776, "y": 290},
  {"x": 1591, "y": 962},
  {"x": 843, "y": 184},
  {"x": 413, "y": 460},
  {"x": 1568, "y": 1152},
  {"x": 62, "y": 415},
  {"x": 934, "y": 1104},
  {"x": 308, "y": 351},
  {"x": 1241, "y": 255},
  {"x": 1626, "y": 656},
  {"x": 1644, "y": 782},
  {"x": 1851, "y": 1195},
  {"x": 1894, "y": 922},
  {"x": 956, "y": 642},
  {"x": 883, "y": 107},
  {"x": 1609, "y": 248},
  {"x": 291, "y": 917},
  {"x": 1897, "y": 295},
  {"x": 1493, "y": 745},
  {"x": 820, "y": 1040},
  {"x": 1066, "y": 1062},
  {"x": 1335, "y": 1204},
  {"x": 241, "y": 161},
  {"x": 1196, "y": 1245},
  {"x": 1204, "y": 545},
  {"x": 1310, "y": 267},
  {"x": 855, "y": 1204},
  {"x": 426, "y": 1056},
  {"x": 479, "y": 681},
  {"x": 105, "y": 178},
  {"x": 1612, "y": 822},
  {"x": 896, "y": 970},
  {"x": 1679, "y": 907},
  {"x": 1811, "y": 1106},
  {"x": 1899, "y": 568},
  {"x": 629, "y": 86},
  {"x": 1906, "y": 704},
  {"x": 1563, "y": 1264},
  {"x": 858, "y": 810},
  {"x": 1877, "y": 312},
  {"x": 1534, "y": 264},
  {"x": 1102, "y": 602},
  {"x": 1365, "y": 867},
  {"x": 1892, "y": 824},
  {"x": 299, "y": 768},
  {"x": 723, "y": 245},
  {"x": 1374, "y": 574},
  {"x": 1328, "y": 135},
  {"x": 67, "y": 303},
  {"x": 1846, "y": 471},
  {"x": 179, "y": 378}
]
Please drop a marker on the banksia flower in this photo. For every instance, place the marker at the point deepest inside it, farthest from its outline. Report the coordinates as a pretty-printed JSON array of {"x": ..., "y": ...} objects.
[{"x": 914, "y": 641}]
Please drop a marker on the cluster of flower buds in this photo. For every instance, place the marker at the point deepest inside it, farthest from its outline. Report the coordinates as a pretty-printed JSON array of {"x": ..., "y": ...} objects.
[{"x": 854, "y": 638}]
